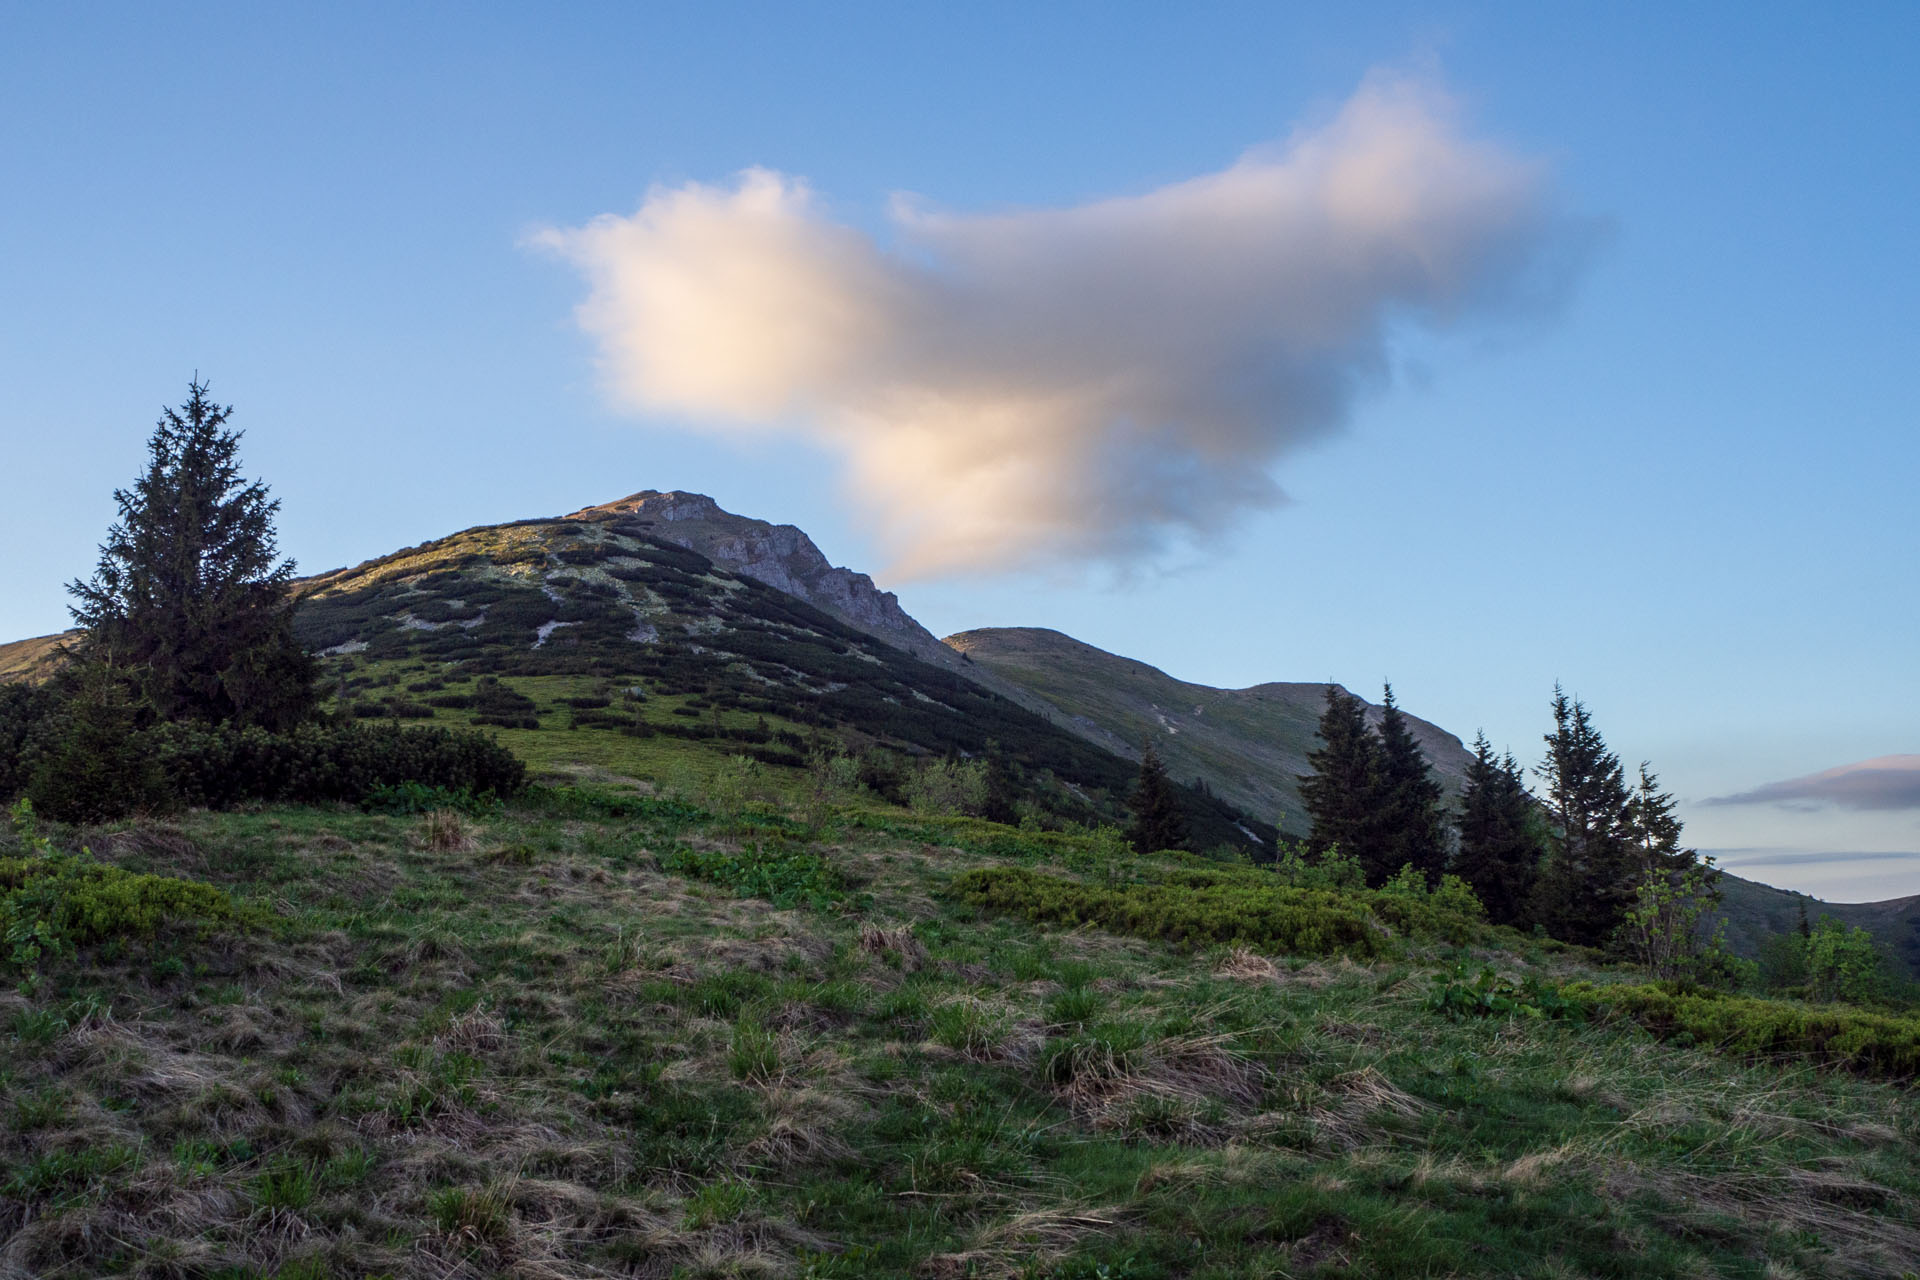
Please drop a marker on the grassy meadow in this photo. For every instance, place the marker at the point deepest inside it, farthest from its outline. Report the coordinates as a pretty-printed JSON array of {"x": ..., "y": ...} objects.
[{"x": 601, "y": 1033}]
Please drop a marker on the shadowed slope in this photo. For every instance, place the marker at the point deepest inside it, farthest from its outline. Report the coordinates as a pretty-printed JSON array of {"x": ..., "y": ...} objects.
[{"x": 1248, "y": 745}]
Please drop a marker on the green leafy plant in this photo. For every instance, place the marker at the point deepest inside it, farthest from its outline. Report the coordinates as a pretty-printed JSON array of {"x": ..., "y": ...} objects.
[
  {"x": 786, "y": 876},
  {"x": 1493, "y": 995},
  {"x": 417, "y": 797},
  {"x": 1670, "y": 926}
]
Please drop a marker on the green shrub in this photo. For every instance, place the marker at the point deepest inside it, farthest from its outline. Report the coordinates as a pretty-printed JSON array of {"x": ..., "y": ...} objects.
[
  {"x": 220, "y": 766},
  {"x": 601, "y": 803},
  {"x": 945, "y": 787},
  {"x": 415, "y": 797},
  {"x": 1329, "y": 869},
  {"x": 93, "y": 766},
  {"x": 1858, "y": 1039},
  {"x": 1844, "y": 963},
  {"x": 1198, "y": 907},
  {"x": 52, "y": 903}
]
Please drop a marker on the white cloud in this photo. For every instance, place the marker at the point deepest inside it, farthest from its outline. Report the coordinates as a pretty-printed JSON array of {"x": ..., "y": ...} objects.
[{"x": 1016, "y": 388}]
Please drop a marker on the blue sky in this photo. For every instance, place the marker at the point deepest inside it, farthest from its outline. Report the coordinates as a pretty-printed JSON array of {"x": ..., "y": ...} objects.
[{"x": 1684, "y": 491}]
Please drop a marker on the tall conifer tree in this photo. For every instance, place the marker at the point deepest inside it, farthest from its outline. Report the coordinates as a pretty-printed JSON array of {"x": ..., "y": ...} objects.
[
  {"x": 190, "y": 600},
  {"x": 1408, "y": 824},
  {"x": 1590, "y": 873},
  {"x": 1499, "y": 853},
  {"x": 1338, "y": 794},
  {"x": 1654, "y": 829},
  {"x": 1157, "y": 821}
]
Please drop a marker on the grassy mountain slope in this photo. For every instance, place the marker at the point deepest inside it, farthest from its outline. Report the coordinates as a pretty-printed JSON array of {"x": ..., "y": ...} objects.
[
  {"x": 1753, "y": 911},
  {"x": 554, "y": 1041},
  {"x": 588, "y": 638},
  {"x": 33, "y": 660},
  {"x": 1250, "y": 745}
]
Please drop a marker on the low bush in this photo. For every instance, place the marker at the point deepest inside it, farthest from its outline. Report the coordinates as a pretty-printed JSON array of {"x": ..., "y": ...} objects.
[
  {"x": 392, "y": 709},
  {"x": 415, "y": 797},
  {"x": 508, "y": 722},
  {"x": 1861, "y": 1040},
  {"x": 220, "y": 766},
  {"x": 52, "y": 903},
  {"x": 1194, "y": 907},
  {"x": 1271, "y": 918},
  {"x": 599, "y": 803}
]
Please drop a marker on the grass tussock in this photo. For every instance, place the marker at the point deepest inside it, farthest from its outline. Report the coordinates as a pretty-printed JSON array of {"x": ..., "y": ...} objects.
[{"x": 447, "y": 831}]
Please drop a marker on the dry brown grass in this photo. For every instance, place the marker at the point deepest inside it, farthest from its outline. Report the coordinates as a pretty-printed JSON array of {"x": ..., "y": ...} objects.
[
  {"x": 158, "y": 843},
  {"x": 446, "y": 831},
  {"x": 1841, "y": 1209},
  {"x": 893, "y": 944},
  {"x": 1361, "y": 1107},
  {"x": 476, "y": 1031},
  {"x": 1018, "y": 1245},
  {"x": 1247, "y": 965}
]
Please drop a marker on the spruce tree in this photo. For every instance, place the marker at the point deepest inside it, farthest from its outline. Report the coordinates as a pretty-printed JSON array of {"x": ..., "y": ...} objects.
[
  {"x": 1408, "y": 824},
  {"x": 998, "y": 802},
  {"x": 1654, "y": 829},
  {"x": 1338, "y": 794},
  {"x": 1157, "y": 821},
  {"x": 1499, "y": 853},
  {"x": 189, "y": 602},
  {"x": 1589, "y": 876}
]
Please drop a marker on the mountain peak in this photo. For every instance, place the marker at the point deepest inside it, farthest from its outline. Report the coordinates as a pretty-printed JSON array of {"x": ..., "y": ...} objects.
[
  {"x": 781, "y": 556},
  {"x": 673, "y": 506}
]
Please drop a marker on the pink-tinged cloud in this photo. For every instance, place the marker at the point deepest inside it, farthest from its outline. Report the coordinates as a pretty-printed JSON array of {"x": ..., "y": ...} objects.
[
  {"x": 1065, "y": 384},
  {"x": 1885, "y": 782}
]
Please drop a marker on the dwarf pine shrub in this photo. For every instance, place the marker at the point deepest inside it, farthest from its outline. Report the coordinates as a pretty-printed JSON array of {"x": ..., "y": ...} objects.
[
  {"x": 217, "y": 767},
  {"x": 1189, "y": 915},
  {"x": 52, "y": 903},
  {"x": 1861, "y": 1040},
  {"x": 1196, "y": 907}
]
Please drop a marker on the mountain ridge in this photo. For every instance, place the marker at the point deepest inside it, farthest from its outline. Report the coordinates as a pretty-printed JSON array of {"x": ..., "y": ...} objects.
[
  {"x": 1045, "y": 672},
  {"x": 1250, "y": 745}
]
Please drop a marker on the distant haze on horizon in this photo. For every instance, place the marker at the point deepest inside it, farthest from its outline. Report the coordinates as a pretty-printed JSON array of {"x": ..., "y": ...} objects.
[{"x": 1474, "y": 346}]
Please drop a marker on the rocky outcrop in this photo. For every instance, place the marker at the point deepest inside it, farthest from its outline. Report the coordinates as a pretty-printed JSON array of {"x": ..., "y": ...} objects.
[
  {"x": 782, "y": 557},
  {"x": 786, "y": 559}
]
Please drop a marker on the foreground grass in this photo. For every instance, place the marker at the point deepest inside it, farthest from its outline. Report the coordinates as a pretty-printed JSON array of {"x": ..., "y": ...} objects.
[{"x": 549, "y": 1045}]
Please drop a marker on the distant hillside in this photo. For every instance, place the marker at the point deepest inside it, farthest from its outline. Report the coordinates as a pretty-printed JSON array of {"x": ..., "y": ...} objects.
[
  {"x": 612, "y": 621},
  {"x": 1752, "y": 911},
  {"x": 1249, "y": 745},
  {"x": 33, "y": 660}
]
